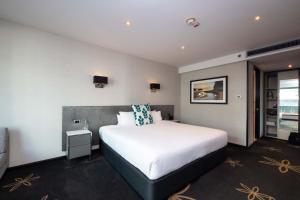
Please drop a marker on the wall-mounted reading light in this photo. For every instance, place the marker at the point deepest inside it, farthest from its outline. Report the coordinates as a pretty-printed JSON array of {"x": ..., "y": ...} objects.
[
  {"x": 100, "y": 81},
  {"x": 154, "y": 87}
]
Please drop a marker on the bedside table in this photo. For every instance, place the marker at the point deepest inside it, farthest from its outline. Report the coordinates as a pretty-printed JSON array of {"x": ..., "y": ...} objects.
[{"x": 79, "y": 143}]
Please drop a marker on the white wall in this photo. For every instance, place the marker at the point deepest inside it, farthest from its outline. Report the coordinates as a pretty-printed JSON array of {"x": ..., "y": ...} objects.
[
  {"x": 41, "y": 72},
  {"x": 231, "y": 117}
]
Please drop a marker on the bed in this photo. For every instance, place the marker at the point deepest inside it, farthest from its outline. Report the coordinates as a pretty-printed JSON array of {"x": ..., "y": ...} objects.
[{"x": 159, "y": 159}]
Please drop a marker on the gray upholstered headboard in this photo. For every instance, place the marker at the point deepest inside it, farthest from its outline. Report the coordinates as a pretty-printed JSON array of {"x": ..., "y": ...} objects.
[{"x": 98, "y": 116}]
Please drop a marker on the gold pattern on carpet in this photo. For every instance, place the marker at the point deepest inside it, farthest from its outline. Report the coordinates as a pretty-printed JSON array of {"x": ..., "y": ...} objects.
[
  {"x": 44, "y": 197},
  {"x": 284, "y": 166},
  {"x": 233, "y": 163},
  {"x": 272, "y": 149},
  {"x": 180, "y": 196},
  {"x": 21, "y": 181},
  {"x": 253, "y": 193}
]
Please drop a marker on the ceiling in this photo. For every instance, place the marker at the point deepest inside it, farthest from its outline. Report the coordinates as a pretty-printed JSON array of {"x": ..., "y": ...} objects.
[
  {"x": 158, "y": 26},
  {"x": 278, "y": 61}
]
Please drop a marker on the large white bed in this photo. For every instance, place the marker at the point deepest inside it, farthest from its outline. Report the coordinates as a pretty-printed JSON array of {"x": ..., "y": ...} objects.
[{"x": 161, "y": 148}]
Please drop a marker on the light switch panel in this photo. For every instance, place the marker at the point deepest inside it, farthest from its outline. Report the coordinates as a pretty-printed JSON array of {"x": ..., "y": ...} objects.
[{"x": 76, "y": 121}]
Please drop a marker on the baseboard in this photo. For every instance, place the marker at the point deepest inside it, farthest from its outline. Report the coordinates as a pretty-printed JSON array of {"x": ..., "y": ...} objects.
[
  {"x": 272, "y": 138},
  {"x": 36, "y": 162},
  {"x": 94, "y": 148},
  {"x": 237, "y": 145}
]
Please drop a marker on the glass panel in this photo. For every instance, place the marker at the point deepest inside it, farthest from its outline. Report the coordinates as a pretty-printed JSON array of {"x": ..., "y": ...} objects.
[
  {"x": 288, "y": 104},
  {"x": 289, "y": 83}
]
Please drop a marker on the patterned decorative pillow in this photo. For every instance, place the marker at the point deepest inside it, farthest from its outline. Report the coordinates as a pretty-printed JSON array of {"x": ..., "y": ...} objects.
[{"x": 142, "y": 114}]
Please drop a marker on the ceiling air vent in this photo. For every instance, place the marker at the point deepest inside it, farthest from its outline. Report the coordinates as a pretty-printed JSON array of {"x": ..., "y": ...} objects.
[
  {"x": 192, "y": 21},
  {"x": 274, "y": 47}
]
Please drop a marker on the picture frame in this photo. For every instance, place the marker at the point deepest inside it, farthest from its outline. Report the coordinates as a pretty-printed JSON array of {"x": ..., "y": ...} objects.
[{"x": 209, "y": 91}]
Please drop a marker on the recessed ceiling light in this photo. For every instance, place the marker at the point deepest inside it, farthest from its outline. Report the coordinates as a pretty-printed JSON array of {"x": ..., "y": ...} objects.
[
  {"x": 128, "y": 23},
  {"x": 182, "y": 47},
  {"x": 290, "y": 66},
  {"x": 257, "y": 18}
]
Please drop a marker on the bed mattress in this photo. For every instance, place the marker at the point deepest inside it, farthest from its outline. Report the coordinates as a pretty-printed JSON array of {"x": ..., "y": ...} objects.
[{"x": 161, "y": 148}]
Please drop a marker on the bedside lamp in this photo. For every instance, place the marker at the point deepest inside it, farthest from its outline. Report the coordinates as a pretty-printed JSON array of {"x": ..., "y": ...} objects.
[
  {"x": 100, "y": 81},
  {"x": 154, "y": 87}
]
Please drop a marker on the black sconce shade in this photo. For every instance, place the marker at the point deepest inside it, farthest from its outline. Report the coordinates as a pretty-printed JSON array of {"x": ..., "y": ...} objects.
[
  {"x": 100, "y": 81},
  {"x": 154, "y": 86}
]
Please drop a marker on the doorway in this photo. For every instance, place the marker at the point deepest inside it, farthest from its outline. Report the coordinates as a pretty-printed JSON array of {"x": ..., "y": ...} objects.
[
  {"x": 257, "y": 102},
  {"x": 278, "y": 88}
]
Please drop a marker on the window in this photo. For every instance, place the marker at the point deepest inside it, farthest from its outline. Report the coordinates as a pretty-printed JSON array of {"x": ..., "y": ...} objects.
[{"x": 288, "y": 104}]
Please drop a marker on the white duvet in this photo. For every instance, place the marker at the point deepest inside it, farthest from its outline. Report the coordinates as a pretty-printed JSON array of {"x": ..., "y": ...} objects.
[{"x": 161, "y": 148}]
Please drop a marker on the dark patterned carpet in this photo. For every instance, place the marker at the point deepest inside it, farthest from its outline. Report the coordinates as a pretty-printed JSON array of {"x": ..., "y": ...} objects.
[{"x": 269, "y": 170}]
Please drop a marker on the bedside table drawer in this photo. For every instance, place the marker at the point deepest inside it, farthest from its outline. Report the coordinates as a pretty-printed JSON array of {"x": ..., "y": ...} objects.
[
  {"x": 78, "y": 140},
  {"x": 79, "y": 151}
]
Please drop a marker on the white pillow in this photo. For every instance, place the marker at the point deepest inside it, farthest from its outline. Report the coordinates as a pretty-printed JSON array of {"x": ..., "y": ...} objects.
[
  {"x": 118, "y": 119},
  {"x": 126, "y": 119},
  {"x": 156, "y": 116}
]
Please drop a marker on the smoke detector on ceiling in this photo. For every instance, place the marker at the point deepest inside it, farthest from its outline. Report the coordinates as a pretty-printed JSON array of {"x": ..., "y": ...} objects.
[{"x": 192, "y": 21}]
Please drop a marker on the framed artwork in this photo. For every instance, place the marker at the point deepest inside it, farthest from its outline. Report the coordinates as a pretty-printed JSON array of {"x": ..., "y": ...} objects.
[{"x": 210, "y": 90}]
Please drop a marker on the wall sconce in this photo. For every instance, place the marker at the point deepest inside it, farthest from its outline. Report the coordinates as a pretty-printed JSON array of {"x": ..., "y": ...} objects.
[
  {"x": 154, "y": 87},
  {"x": 100, "y": 81}
]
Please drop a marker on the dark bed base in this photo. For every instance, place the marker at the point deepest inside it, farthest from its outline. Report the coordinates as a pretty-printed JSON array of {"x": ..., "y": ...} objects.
[{"x": 167, "y": 185}]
